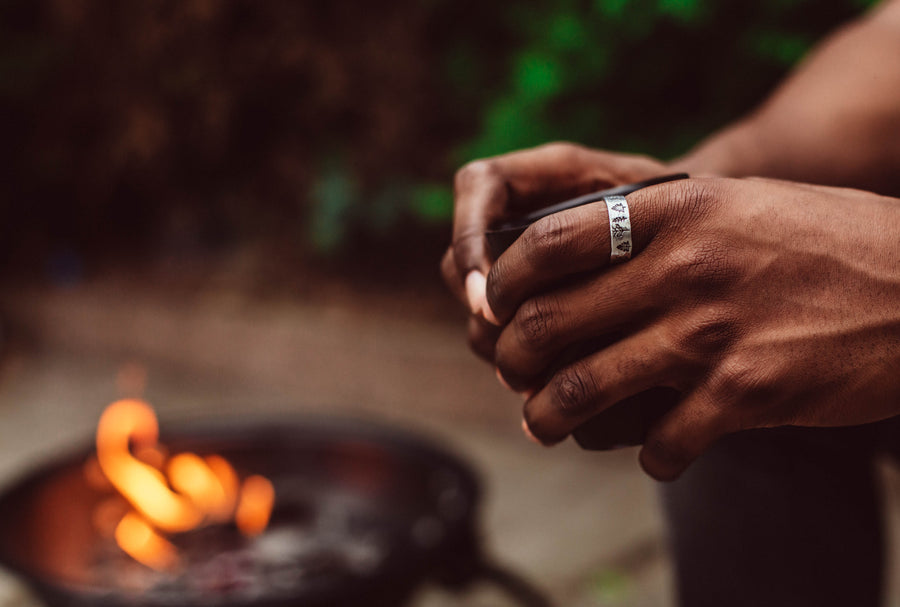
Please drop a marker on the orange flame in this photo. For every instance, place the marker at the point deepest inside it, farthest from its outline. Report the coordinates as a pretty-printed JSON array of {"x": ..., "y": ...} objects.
[
  {"x": 170, "y": 494},
  {"x": 255, "y": 507},
  {"x": 228, "y": 480},
  {"x": 191, "y": 475},
  {"x": 144, "y": 486},
  {"x": 136, "y": 537}
]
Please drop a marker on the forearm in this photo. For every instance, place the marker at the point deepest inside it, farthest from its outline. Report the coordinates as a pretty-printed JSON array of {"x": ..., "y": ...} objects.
[{"x": 835, "y": 120}]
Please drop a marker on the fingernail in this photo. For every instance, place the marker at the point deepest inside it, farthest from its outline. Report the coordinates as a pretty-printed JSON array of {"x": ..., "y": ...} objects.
[
  {"x": 475, "y": 291},
  {"x": 528, "y": 433}
]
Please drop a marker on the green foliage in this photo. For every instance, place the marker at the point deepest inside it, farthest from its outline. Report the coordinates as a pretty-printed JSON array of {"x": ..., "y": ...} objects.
[
  {"x": 650, "y": 76},
  {"x": 432, "y": 202},
  {"x": 245, "y": 119},
  {"x": 646, "y": 75},
  {"x": 538, "y": 76}
]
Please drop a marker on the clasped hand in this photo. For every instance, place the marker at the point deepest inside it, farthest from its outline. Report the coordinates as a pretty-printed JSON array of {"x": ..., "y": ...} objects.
[{"x": 764, "y": 303}]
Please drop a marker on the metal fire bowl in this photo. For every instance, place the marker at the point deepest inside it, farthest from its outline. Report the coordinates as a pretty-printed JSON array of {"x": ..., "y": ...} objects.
[{"x": 420, "y": 502}]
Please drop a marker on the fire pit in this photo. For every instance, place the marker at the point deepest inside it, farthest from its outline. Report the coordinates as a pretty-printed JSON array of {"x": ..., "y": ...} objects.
[{"x": 360, "y": 515}]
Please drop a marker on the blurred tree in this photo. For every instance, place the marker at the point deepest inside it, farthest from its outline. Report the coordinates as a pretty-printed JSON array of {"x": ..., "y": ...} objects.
[{"x": 326, "y": 129}]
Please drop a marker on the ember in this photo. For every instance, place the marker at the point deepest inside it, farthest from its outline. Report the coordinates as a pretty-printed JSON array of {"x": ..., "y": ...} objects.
[{"x": 170, "y": 494}]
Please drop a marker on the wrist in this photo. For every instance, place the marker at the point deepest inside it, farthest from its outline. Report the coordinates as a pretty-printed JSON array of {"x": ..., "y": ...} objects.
[{"x": 733, "y": 152}]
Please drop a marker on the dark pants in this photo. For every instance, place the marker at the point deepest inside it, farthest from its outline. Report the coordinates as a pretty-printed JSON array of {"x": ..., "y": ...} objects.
[{"x": 783, "y": 517}]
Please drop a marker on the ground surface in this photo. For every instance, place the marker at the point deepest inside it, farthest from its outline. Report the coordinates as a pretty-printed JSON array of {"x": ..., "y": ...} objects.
[{"x": 584, "y": 526}]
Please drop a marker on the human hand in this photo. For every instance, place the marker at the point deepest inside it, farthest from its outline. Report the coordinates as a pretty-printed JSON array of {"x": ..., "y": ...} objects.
[
  {"x": 512, "y": 184},
  {"x": 765, "y": 303}
]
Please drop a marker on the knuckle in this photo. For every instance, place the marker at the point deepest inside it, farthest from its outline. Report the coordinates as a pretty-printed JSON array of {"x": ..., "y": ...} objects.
[
  {"x": 563, "y": 150},
  {"x": 539, "y": 428},
  {"x": 699, "y": 194},
  {"x": 746, "y": 386},
  {"x": 545, "y": 240},
  {"x": 573, "y": 391},
  {"x": 667, "y": 457},
  {"x": 711, "y": 334},
  {"x": 690, "y": 199},
  {"x": 495, "y": 288},
  {"x": 545, "y": 234},
  {"x": 474, "y": 173},
  {"x": 705, "y": 268},
  {"x": 738, "y": 376},
  {"x": 560, "y": 146},
  {"x": 692, "y": 193},
  {"x": 680, "y": 204},
  {"x": 734, "y": 378},
  {"x": 534, "y": 322}
]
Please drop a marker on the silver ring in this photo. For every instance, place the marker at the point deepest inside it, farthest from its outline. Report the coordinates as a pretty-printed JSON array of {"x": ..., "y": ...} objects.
[{"x": 619, "y": 229}]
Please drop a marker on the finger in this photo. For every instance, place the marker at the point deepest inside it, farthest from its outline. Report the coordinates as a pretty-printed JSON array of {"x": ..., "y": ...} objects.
[
  {"x": 480, "y": 197},
  {"x": 482, "y": 337},
  {"x": 576, "y": 240},
  {"x": 590, "y": 385},
  {"x": 452, "y": 278},
  {"x": 590, "y": 309},
  {"x": 482, "y": 194},
  {"x": 682, "y": 435},
  {"x": 487, "y": 189}
]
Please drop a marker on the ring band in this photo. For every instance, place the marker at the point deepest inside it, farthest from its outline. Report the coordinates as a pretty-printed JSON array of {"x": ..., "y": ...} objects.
[{"x": 619, "y": 229}]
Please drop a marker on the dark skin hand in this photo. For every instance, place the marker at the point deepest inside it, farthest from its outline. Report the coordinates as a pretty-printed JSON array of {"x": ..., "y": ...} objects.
[
  {"x": 835, "y": 120},
  {"x": 765, "y": 303},
  {"x": 780, "y": 310},
  {"x": 487, "y": 190}
]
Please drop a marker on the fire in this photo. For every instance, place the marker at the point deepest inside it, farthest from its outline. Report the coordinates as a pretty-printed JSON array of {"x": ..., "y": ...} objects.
[
  {"x": 170, "y": 494},
  {"x": 257, "y": 497},
  {"x": 132, "y": 421},
  {"x": 136, "y": 537}
]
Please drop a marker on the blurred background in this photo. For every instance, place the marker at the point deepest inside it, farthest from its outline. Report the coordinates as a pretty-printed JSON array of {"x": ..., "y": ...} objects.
[
  {"x": 245, "y": 203},
  {"x": 279, "y": 136}
]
